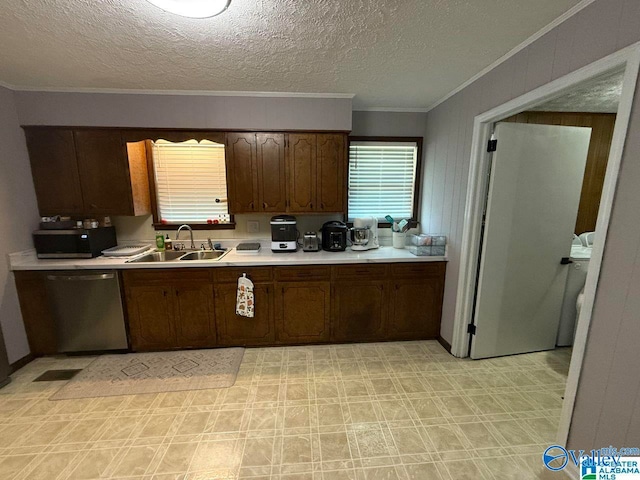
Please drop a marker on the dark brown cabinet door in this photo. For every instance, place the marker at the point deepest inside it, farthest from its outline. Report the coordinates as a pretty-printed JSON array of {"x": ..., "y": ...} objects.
[
  {"x": 194, "y": 316},
  {"x": 242, "y": 331},
  {"x": 55, "y": 171},
  {"x": 359, "y": 310},
  {"x": 242, "y": 178},
  {"x": 272, "y": 186},
  {"x": 36, "y": 312},
  {"x": 104, "y": 172},
  {"x": 303, "y": 312},
  {"x": 151, "y": 313},
  {"x": 416, "y": 308},
  {"x": 302, "y": 173},
  {"x": 331, "y": 173}
]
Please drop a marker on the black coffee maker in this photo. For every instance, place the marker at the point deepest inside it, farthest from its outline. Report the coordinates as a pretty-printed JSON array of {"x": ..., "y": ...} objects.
[{"x": 334, "y": 236}]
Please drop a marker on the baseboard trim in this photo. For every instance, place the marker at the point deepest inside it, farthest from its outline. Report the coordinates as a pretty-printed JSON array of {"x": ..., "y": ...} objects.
[
  {"x": 444, "y": 343},
  {"x": 17, "y": 365}
]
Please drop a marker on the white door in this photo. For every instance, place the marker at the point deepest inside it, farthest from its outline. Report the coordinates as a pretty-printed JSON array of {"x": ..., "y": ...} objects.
[{"x": 534, "y": 191}]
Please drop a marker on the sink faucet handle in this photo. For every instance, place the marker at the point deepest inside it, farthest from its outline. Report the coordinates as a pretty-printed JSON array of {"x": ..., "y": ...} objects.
[{"x": 210, "y": 244}]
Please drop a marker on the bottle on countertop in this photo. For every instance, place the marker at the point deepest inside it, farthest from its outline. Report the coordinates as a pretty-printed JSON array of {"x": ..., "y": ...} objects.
[
  {"x": 168, "y": 244},
  {"x": 159, "y": 242}
]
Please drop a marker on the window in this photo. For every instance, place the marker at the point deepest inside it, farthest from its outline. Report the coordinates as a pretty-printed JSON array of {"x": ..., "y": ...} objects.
[
  {"x": 191, "y": 182},
  {"x": 382, "y": 177}
]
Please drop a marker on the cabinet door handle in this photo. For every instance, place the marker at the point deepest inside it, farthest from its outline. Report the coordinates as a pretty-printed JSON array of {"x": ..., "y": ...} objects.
[
  {"x": 164, "y": 293},
  {"x": 251, "y": 205},
  {"x": 177, "y": 293},
  {"x": 264, "y": 205},
  {"x": 322, "y": 206},
  {"x": 311, "y": 206}
]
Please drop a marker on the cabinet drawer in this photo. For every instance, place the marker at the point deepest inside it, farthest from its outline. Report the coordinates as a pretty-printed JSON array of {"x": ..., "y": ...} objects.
[
  {"x": 166, "y": 276},
  {"x": 359, "y": 271},
  {"x": 417, "y": 270},
  {"x": 230, "y": 275},
  {"x": 312, "y": 272}
]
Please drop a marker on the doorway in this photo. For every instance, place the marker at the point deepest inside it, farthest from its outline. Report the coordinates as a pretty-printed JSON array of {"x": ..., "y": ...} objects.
[{"x": 626, "y": 60}]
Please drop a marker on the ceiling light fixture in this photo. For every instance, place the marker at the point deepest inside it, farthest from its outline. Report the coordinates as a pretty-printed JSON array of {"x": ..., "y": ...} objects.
[{"x": 193, "y": 8}]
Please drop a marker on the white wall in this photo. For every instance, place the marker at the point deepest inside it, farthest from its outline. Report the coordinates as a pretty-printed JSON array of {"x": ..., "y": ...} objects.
[
  {"x": 607, "y": 410},
  {"x": 389, "y": 124},
  {"x": 18, "y": 217},
  {"x": 183, "y": 111}
]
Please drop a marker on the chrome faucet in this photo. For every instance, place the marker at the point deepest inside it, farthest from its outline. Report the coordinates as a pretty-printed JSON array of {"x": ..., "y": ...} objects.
[
  {"x": 210, "y": 244},
  {"x": 193, "y": 245}
]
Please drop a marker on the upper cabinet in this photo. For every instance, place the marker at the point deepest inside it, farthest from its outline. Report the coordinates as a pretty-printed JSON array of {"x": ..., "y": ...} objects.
[
  {"x": 277, "y": 172},
  {"x": 302, "y": 173},
  {"x": 272, "y": 190},
  {"x": 104, "y": 171},
  {"x": 256, "y": 172},
  {"x": 55, "y": 171},
  {"x": 242, "y": 173},
  {"x": 317, "y": 165},
  {"x": 87, "y": 172},
  {"x": 331, "y": 168}
]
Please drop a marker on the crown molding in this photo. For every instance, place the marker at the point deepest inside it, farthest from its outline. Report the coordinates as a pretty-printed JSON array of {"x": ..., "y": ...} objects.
[
  {"x": 391, "y": 109},
  {"x": 543, "y": 31},
  {"x": 205, "y": 93}
]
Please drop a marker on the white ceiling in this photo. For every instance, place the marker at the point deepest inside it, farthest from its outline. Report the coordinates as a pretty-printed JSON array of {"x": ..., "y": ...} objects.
[
  {"x": 600, "y": 94},
  {"x": 395, "y": 53}
]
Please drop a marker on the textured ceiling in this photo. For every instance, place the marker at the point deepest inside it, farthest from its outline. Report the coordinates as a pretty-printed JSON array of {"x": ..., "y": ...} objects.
[
  {"x": 601, "y": 95},
  {"x": 394, "y": 53}
]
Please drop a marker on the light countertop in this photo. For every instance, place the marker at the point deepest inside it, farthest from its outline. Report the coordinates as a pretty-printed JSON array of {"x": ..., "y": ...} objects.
[{"x": 28, "y": 261}]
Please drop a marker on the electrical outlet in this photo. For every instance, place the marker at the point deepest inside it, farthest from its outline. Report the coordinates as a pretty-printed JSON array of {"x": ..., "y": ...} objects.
[{"x": 253, "y": 226}]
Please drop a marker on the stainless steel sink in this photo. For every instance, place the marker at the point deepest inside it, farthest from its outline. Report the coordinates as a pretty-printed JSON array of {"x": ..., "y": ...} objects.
[
  {"x": 172, "y": 256},
  {"x": 203, "y": 255},
  {"x": 158, "y": 257}
]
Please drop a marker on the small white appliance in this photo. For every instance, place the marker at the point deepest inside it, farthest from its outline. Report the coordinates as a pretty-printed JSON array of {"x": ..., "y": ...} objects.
[
  {"x": 576, "y": 278},
  {"x": 364, "y": 234},
  {"x": 284, "y": 233}
]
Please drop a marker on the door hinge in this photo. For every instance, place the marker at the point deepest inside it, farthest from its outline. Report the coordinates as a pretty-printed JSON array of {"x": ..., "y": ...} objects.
[
  {"x": 492, "y": 145},
  {"x": 471, "y": 328}
]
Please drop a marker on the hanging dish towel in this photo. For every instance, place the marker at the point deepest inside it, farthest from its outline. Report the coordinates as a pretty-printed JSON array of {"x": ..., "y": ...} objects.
[{"x": 245, "y": 305}]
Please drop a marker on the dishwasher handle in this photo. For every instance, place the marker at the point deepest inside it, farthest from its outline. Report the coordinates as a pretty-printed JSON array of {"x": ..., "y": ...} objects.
[{"x": 79, "y": 278}]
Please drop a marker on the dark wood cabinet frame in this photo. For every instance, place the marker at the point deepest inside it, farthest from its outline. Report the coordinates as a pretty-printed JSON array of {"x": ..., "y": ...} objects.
[{"x": 413, "y": 222}]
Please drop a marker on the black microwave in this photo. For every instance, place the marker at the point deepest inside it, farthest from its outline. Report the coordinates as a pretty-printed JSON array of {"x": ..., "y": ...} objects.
[{"x": 74, "y": 243}]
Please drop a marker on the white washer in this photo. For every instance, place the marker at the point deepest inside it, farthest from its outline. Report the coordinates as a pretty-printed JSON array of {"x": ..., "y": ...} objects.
[{"x": 576, "y": 278}]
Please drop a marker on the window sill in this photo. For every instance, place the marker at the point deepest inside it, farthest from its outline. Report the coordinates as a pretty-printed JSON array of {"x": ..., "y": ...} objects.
[
  {"x": 412, "y": 224},
  {"x": 196, "y": 226}
]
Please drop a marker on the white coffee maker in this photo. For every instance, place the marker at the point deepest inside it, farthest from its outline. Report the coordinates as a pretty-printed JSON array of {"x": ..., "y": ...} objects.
[{"x": 364, "y": 234}]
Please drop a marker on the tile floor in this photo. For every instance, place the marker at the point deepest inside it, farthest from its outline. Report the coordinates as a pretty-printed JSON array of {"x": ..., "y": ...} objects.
[{"x": 387, "y": 411}]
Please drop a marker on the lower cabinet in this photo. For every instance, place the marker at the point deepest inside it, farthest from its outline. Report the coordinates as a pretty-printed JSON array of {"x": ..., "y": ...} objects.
[
  {"x": 151, "y": 314},
  {"x": 196, "y": 307},
  {"x": 359, "y": 311},
  {"x": 415, "y": 303},
  {"x": 236, "y": 330},
  {"x": 303, "y": 312},
  {"x": 194, "y": 317},
  {"x": 165, "y": 314}
]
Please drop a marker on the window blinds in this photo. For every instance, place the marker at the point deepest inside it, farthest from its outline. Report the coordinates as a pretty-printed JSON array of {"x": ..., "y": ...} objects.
[
  {"x": 382, "y": 179},
  {"x": 191, "y": 181}
]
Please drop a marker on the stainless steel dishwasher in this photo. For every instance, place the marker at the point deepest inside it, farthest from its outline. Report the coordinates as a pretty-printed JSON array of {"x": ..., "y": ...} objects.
[{"x": 87, "y": 310}]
